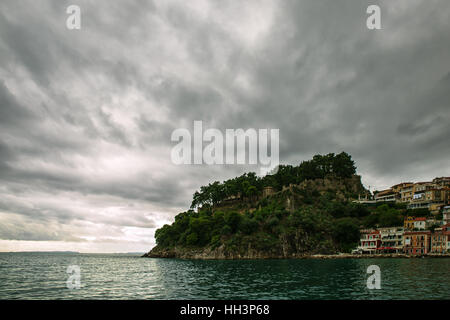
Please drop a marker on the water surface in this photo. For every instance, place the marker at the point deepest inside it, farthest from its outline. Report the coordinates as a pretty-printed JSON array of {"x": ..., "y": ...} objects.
[{"x": 108, "y": 276}]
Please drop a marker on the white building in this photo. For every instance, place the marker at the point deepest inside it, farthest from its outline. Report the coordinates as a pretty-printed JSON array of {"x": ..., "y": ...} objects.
[
  {"x": 446, "y": 215},
  {"x": 420, "y": 224},
  {"x": 392, "y": 239},
  {"x": 386, "y": 196}
]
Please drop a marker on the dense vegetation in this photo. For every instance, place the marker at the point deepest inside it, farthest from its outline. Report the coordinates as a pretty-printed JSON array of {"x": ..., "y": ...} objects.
[
  {"x": 322, "y": 221},
  {"x": 249, "y": 185},
  {"x": 264, "y": 227}
]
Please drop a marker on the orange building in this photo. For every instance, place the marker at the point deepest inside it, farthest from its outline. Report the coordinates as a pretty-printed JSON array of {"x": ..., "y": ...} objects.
[
  {"x": 416, "y": 242},
  {"x": 440, "y": 239}
]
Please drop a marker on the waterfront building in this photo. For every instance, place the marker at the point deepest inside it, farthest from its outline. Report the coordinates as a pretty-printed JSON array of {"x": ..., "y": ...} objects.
[
  {"x": 416, "y": 242},
  {"x": 391, "y": 240},
  {"x": 370, "y": 241},
  {"x": 440, "y": 240}
]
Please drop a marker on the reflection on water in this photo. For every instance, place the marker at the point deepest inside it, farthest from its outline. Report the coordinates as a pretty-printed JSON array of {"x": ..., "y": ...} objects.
[{"x": 103, "y": 276}]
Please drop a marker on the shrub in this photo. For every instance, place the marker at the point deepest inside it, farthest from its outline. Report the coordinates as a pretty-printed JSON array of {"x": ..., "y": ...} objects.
[
  {"x": 192, "y": 239},
  {"x": 226, "y": 230},
  {"x": 232, "y": 219},
  {"x": 215, "y": 241},
  {"x": 346, "y": 232},
  {"x": 248, "y": 225}
]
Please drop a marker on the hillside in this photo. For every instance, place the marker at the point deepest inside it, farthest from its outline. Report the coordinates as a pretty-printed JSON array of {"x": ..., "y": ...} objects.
[{"x": 298, "y": 211}]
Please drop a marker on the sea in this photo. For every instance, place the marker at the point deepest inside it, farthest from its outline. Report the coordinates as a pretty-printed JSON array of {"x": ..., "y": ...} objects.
[{"x": 128, "y": 276}]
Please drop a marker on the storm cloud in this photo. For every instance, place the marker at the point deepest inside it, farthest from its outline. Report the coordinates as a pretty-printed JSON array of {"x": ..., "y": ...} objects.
[{"x": 86, "y": 115}]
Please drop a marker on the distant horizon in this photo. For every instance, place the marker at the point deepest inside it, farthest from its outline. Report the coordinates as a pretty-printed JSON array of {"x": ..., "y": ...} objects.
[{"x": 69, "y": 251}]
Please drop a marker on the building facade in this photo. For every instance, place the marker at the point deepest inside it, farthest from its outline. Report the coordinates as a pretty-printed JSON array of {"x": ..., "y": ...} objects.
[
  {"x": 431, "y": 195},
  {"x": 420, "y": 223},
  {"x": 370, "y": 241},
  {"x": 391, "y": 240},
  {"x": 406, "y": 192},
  {"x": 416, "y": 242},
  {"x": 386, "y": 196},
  {"x": 442, "y": 181},
  {"x": 408, "y": 223},
  {"x": 440, "y": 240},
  {"x": 446, "y": 214},
  {"x": 399, "y": 187}
]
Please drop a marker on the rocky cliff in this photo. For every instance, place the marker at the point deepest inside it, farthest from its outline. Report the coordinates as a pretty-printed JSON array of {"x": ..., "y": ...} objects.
[{"x": 297, "y": 221}]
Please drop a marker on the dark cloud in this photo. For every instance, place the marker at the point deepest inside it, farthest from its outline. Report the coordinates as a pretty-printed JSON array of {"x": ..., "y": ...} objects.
[
  {"x": 86, "y": 116},
  {"x": 12, "y": 114}
]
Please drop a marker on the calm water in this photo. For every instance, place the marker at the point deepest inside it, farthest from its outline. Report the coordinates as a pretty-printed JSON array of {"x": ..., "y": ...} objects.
[{"x": 104, "y": 276}]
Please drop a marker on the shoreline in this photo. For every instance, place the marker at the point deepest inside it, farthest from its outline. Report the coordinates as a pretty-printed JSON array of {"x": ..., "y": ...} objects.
[
  {"x": 385, "y": 255},
  {"x": 299, "y": 257}
]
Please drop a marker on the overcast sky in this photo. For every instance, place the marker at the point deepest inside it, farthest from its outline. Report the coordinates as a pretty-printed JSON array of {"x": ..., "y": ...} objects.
[{"x": 86, "y": 115}]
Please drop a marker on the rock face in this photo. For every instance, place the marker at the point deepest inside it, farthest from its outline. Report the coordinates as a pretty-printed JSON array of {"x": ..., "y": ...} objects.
[
  {"x": 296, "y": 247},
  {"x": 219, "y": 254},
  {"x": 340, "y": 186},
  {"x": 215, "y": 254}
]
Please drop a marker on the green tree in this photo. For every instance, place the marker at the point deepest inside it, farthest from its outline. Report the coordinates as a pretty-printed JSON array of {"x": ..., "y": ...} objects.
[
  {"x": 346, "y": 233},
  {"x": 192, "y": 239},
  {"x": 343, "y": 165},
  {"x": 232, "y": 219},
  {"x": 370, "y": 221},
  {"x": 247, "y": 225}
]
